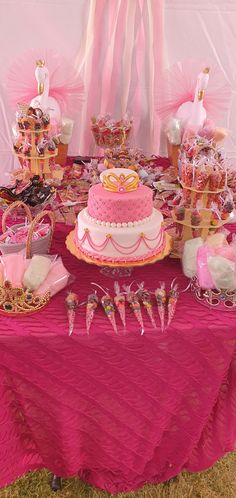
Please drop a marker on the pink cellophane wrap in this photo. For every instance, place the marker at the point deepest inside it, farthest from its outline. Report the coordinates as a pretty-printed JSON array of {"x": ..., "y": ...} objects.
[
  {"x": 225, "y": 266},
  {"x": 20, "y": 234},
  {"x": 203, "y": 272},
  {"x": 14, "y": 265},
  {"x": 56, "y": 280},
  {"x": 14, "y": 268},
  {"x": 1, "y": 274},
  {"x": 116, "y": 410}
]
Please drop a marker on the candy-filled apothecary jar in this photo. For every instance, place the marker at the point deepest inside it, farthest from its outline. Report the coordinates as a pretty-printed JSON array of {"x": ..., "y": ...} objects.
[{"x": 108, "y": 132}]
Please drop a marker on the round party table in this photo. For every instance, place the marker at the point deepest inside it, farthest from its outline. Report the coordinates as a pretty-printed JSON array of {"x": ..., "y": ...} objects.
[{"x": 116, "y": 410}]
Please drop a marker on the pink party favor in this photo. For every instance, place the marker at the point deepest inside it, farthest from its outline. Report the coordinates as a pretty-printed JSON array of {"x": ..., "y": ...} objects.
[{"x": 56, "y": 279}]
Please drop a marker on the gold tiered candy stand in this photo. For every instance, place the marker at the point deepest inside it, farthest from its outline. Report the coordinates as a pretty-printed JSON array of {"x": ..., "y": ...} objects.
[
  {"x": 37, "y": 164},
  {"x": 204, "y": 228}
]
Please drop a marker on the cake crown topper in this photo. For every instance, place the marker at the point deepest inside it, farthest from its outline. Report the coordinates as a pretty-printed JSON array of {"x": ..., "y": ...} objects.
[{"x": 120, "y": 182}]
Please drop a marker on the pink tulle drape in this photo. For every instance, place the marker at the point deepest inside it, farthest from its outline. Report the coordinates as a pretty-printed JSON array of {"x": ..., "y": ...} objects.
[{"x": 119, "y": 60}]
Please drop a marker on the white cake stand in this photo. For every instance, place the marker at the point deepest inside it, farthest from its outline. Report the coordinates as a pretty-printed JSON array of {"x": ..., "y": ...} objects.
[{"x": 115, "y": 270}]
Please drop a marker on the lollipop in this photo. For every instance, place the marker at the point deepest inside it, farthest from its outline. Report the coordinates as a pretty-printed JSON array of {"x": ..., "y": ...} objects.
[
  {"x": 196, "y": 219},
  {"x": 223, "y": 178},
  {"x": 145, "y": 297},
  {"x": 133, "y": 301},
  {"x": 187, "y": 197},
  {"x": 179, "y": 213},
  {"x": 160, "y": 294},
  {"x": 119, "y": 301},
  {"x": 215, "y": 215},
  {"x": 187, "y": 174},
  {"x": 71, "y": 302},
  {"x": 214, "y": 183},
  {"x": 172, "y": 302},
  {"x": 91, "y": 306},
  {"x": 228, "y": 206},
  {"x": 201, "y": 182}
]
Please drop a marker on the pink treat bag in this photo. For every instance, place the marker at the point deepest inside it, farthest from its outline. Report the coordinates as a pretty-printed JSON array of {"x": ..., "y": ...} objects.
[
  {"x": 203, "y": 273},
  {"x": 1, "y": 274},
  {"x": 14, "y": 268},
  {"x": 56, "y": 279}
]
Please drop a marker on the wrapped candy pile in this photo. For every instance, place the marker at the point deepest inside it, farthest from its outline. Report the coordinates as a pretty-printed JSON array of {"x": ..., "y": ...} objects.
[
  {"x": 123, "y": 157},
  {"x": 148, "y": 169},
  {"x": 34, "y": 192},
  {"x": 109, "y": 133},
  {"x": 19, "y": 234}
]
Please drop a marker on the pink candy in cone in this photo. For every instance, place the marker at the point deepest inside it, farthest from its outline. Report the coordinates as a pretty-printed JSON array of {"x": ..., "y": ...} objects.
[
  {"x": 119, "y": 301},
  {"x": 160, "y": 294},
  {"x": 109, "y": 309},
  {"x": 71, "y": 304},
  {"x": 172, "y": 302},
  {"x": 148, "y": 307},
  {"x": 91, "y": 307},
  {"x": 145, "y": 297},
  {"x": 133, "y": 301}
]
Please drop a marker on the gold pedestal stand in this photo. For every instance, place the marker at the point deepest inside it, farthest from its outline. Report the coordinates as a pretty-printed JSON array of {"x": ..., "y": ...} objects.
[
  {"x": 207, "y": 226},
  {"x": 35, "y": 164}
]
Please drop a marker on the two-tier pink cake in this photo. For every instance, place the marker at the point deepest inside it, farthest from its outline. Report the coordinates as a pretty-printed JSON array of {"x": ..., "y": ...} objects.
[{"x": 120, "y": 223}]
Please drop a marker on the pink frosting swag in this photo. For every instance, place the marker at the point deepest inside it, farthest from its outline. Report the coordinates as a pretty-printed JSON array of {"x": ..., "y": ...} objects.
[{"x": 125, "y": 252}]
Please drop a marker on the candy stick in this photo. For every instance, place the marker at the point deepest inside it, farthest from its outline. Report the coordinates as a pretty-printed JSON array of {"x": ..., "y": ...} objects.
[
  {"x": 91, "y": 306},
  {"x": 214, "y": 183},
  {"x": 196, "y": 219},
  {"x": 119, "y": 301},
  {"x": 160, "y": 294},
  {"x": 145, "y": 297},
  {"x": 187, "y": 173},
  {"x": 201, "y": 183},
  {"x": 133, "y": 301},
  {"x": 71, "y": 302},
  {"x": 187, "y": 197},
  {"x": 179, "y": 213},
  {"x": 172, "y": 302}
]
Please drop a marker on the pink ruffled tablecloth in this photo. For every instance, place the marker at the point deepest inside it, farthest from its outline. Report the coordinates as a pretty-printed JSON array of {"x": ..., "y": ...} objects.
[{"x": 117, "y": 411}]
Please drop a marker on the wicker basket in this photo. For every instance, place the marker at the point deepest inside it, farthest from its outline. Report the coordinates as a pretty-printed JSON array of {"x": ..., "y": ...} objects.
[{"x": 40, "y": 246}]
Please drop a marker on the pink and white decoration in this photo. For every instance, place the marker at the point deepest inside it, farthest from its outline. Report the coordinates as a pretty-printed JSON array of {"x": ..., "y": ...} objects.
[{"x": 116, "y": 48}]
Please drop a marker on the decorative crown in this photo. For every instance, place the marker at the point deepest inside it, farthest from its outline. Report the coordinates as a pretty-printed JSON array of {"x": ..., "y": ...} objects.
[
  {"x": 19, "y": 301},
  {"x": 120, "y": 183},
  {"x": 40, "y": 63},
  {"x": 220, "y": 299}
]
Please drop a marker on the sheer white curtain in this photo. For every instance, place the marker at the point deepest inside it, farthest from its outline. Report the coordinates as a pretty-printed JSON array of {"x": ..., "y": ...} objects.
[{"x": 120, "y": 58}]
